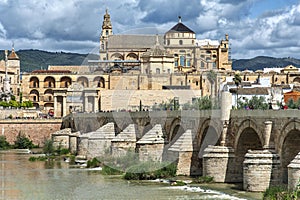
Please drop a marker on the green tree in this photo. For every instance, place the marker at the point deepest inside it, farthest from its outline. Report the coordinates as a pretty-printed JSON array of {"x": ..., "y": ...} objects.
[
  {"x": 237, "y": 81},
  {"x": 3, "y": 143},
  {"x": 291, "y": 104},
  {"x": 22, "y": 142},
  {"x": 14, "y": 104},
  {"x": 212, "y": 77},
  {"x": 48, "y": 147},
  {"x": 204, "y": 103},
  {"x": 257, "y": 103}
]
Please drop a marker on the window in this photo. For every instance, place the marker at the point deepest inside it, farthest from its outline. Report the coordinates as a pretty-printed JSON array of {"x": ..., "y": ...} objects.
[
  {"x": 180, "y": 42},
  {"x": 214, "y": 65},
  {"x": 168, "y": 42},
  {"x": 202, "y": 64},
  {"x": 182, "y": 60},
  {"x": 176, "y": 62},
  {"x": 157, "y": 71},
  {"x": 197, "y": 83},
  {"x": 169, "y": 71},
  {"x": 188, "y": 62},
  {"x": 106, "y": 32}
]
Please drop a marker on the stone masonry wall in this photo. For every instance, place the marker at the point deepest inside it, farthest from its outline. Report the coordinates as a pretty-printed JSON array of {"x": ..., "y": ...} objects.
[{"x": 35, "y": 129}]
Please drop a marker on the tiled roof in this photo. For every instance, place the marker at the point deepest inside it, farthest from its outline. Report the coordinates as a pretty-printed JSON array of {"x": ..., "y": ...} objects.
[
  {"x": 181, "y": 28},
  {"x": 133, "y": 41},
  {"x": 250, "y": 91},
  {"x": 13, "y": 56}
]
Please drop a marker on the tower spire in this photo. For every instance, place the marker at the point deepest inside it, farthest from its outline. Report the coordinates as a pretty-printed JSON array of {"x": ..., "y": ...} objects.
[{"x": 179, "y": 19}]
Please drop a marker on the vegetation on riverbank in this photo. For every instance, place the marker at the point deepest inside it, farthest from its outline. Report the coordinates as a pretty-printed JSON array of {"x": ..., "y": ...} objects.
[
  {"x": 21, "y": 142},
  {"x": 52, "y": 153},
  {"x": 280, "y": 193}
]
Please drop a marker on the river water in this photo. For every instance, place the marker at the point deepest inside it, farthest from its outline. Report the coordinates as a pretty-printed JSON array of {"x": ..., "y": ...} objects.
[{"x": 21, "y": 179}]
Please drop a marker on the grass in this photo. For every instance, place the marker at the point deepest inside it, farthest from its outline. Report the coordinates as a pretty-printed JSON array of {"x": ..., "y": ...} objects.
[
  {"x": 150, "y": 171},
  {"x": 280, "y": 193},
  {"x": 203, "y": 179}
]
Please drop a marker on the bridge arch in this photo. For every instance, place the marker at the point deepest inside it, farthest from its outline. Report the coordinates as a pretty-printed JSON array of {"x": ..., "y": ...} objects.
[
  {"x": 248, "y": 137},
  {"x": 176, "y": 129},
  {"x": 289, "y": 146},
  {"x": 211, "y": 127}
]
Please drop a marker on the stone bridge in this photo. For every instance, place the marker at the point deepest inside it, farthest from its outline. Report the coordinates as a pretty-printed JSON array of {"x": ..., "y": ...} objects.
[{"x": 272, "y": 135}]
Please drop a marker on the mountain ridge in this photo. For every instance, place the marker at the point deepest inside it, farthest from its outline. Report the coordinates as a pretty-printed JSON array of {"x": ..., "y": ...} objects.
[{"x": 34, "y": 59}]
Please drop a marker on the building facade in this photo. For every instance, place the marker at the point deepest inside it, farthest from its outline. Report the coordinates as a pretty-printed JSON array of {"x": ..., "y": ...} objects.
[
  {"x": 141, "y": 71},
  {"x": 10, "y": 74}
]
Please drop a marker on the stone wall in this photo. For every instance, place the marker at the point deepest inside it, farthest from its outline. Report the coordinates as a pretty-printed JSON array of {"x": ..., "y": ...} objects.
[
  {"x": 36, "y": 129},
  {"x": 131, "y": 99}
]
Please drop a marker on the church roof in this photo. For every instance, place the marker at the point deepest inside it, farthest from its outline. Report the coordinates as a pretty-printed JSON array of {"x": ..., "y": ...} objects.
[
  {"x": 13, "y": 55},
  {"x": 181, "y": 28},
  {"x": 133, "y": 41}
]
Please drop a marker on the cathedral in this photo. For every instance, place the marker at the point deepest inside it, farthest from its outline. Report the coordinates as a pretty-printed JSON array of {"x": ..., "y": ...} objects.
[
  {"x": 133, "y": 72},
  {"x": 178, "y": 50}
]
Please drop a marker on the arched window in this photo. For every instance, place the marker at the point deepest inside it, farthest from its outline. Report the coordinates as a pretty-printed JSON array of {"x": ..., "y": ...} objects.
[
  {"x": 65, "y": 82},
  {"x": 180, "y": 42},
  {"x": 83, "y": 81},
  {"x": 157, "y": 71},
  {"x": 49, "y": 82},
  {"x": 34, "y": 82}
]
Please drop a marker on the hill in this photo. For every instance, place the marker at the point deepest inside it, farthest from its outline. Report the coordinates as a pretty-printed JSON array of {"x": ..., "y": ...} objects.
[
  {"x": 37, "y": 59},
  {"x": 261, "y": 62}
]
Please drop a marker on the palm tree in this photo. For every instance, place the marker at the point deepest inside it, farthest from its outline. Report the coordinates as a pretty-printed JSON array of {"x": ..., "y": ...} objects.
[
  {"x": 237, "y": 81},
  {"x": 211, "y": 76}
]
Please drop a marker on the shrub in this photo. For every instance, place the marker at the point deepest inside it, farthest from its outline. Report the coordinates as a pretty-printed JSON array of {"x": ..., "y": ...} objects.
[
  {"x": 22, "y": 142},
  {"x": 107, "y": 170},
  {"x": 150, "y": 170},
  {"x": 93, "y": 163},
  {"x": 3, "y": 143},
  {"x": 279, "y": 193},
  {"x": 62, "y": 151},
  {"x": 204, "y": 179},
  {"x": 40, "y": 158},
  {"x": 48, "y": 147}
]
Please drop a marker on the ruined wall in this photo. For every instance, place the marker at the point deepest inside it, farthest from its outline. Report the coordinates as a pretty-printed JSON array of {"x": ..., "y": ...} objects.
[{"x": 36, "y": 129}]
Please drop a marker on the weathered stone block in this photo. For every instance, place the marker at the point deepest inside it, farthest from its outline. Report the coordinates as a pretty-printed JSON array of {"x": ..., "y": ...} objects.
[
  {"x": 261, "y": 170},
  {"x": 217, "y": 162}
]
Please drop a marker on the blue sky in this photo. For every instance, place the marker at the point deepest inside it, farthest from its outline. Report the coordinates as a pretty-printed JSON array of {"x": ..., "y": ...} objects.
[{"x": 255, "y": 27}]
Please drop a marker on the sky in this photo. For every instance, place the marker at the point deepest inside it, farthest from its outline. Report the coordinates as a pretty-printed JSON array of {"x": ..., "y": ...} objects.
[{"x": 255, "y": 27}]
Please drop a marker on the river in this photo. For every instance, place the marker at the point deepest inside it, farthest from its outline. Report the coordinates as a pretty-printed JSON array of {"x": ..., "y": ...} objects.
[{"x": 22, "y": 179}]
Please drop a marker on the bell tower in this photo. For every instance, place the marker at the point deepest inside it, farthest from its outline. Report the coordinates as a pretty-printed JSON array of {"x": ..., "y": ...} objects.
[{"x": 106, "y": 31}]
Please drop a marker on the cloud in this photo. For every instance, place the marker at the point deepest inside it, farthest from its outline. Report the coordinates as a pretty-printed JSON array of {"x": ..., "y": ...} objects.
[
  {"x": 75, "y": 25},
  {"x": 2, "y": 31}
]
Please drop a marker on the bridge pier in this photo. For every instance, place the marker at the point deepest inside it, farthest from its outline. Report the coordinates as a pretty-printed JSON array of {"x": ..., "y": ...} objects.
[
  {"x": 294, "y": 173},
  {"x": 187, "y": 158},
  {"x": 261, "y": 170},
  {"x": 218, "y": 162}
]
